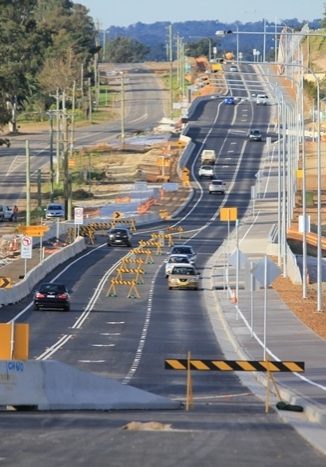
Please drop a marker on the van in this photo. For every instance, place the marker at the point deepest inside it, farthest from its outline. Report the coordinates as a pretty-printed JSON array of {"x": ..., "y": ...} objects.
[{"x": 54, "y": 210}]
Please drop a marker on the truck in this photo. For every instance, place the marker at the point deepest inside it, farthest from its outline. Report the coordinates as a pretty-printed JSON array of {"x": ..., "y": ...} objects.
[{"x": 208, "y": 156}]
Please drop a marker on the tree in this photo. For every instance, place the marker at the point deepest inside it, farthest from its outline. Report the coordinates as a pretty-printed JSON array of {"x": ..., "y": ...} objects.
[
  {"x": 20, "y": 43},
  {"x": 126, "y": 50}
]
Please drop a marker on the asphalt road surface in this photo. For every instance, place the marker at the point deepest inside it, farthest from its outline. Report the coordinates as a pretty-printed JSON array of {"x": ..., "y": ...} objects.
[{"x": 128, "y": 339}]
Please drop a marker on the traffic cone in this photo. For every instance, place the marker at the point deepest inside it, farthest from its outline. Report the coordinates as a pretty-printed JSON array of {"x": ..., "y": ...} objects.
[{"x": 234, "y": 299}]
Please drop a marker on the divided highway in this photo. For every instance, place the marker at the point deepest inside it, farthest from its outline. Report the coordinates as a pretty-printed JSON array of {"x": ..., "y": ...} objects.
[{"x": 128, "y": 339}]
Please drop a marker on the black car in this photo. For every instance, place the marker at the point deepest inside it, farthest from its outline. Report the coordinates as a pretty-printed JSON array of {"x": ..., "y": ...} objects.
[
  {"x": 119, "y": 236},
  {"x": 52, "y": 295}
]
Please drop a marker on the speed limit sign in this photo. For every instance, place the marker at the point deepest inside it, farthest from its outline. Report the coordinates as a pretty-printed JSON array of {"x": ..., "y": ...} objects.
[{"x": 26, "y": 247}]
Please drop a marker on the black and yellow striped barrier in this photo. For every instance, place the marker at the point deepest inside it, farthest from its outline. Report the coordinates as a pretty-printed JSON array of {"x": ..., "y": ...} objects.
[
  {"x": 132, "y": 293},
  {"x": 144, "y": 251},
  {"x": 234, "y": 365},
  {"x": 161, "y": 237},
  {"x": 151, "y": 244},
  {"x": 131, "y": 223},
  {"x": 165, "y": 214},
  {"x": 132, "y": 261},
  {"x": 189, "y": 364},
  {"x": 137, "y": 271},
  {"x": 176, "y": 229}
]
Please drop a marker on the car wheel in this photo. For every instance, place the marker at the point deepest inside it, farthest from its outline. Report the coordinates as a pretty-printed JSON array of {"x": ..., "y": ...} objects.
[
  {"x": 210, "y": 192},
  {"x": 36, "y": 307},
  {"x": 170, "y": 288},
  {"x": 66, "y": 308},
  {"x": 129, "y": 244}
]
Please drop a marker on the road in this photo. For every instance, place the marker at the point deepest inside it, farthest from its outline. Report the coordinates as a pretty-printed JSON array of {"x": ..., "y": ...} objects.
[
  {"x": 128, "y": 339},
  {"x": 144, "y": 108}
]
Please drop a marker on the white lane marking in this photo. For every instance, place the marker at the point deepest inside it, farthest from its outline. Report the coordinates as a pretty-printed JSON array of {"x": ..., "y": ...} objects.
[
  {"x": 110, "y": 333},
  {"x": 51, "y": 350},
  {"x": 115, "y": 322},
  {"x": 103, "y": 345},
  {"x": 142, "y": 340},
  {"x": 91, "y": 361},
  {"x": 18, "y": 160}
]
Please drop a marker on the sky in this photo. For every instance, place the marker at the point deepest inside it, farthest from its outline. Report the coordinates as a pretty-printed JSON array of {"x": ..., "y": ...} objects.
[{"x": 126, "y": 12}]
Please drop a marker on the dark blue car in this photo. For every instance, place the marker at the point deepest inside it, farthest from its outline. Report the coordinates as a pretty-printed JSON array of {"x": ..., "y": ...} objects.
[{"x": 229, "y": 100}]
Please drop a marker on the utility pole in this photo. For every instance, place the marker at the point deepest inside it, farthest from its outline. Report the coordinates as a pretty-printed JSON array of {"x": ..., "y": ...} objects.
[
  {"x": 28, "y": 184},
  {"x": 170, "y": 56},
  {"x": 65, "y": 156},
  {"x": 57, "y": 177},
  {"x": 122, "y": 104},
  {"x": 50, "y": 114},
  {"x": 89, "y": 100},
  {"x": 72, "y": 129}
]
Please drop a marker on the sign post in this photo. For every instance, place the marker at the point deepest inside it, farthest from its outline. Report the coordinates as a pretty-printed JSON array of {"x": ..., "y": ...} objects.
[
  {"x": 26, "y": 250},
  {"x": 79, "y": 218}
]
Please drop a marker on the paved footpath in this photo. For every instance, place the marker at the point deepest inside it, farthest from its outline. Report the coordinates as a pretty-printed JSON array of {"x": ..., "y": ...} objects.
[{"x": 285, "y": 336}]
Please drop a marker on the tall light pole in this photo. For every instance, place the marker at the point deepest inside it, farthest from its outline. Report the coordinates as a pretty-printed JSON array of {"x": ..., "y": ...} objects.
[
  {"x": 122, "y": 108},
  {"x": 302, "y": 67}
]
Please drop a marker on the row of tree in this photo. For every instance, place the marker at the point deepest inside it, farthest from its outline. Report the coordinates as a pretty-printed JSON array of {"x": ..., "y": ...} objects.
[{"x": 44, "y": 45}]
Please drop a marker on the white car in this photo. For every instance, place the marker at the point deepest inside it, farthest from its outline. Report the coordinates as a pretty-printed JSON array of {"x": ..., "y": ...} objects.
[
  {"x": 8, "y": 213},
  {"x": 217, "y": 186},
  {"x": 206, "y": 171},
  {"x": 184, "y": 249},
  {"x": 173, "y": 260},
  {"x": 261, "y": 99}
]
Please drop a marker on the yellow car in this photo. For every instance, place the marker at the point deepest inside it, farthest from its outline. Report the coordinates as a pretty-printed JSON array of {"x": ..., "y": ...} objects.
[{"x": 183, "y": 276}]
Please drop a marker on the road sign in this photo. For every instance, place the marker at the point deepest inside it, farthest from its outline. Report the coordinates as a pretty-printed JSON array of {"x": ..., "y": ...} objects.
[
  {"x": 5, "y": 282},
  {"x": 299, "y": 173},
  {"x": 79, "y": 216},
  {"x": 26, "y": 247},
  {"x": 33, "y": 230},
  {"x": 228, "y": 214},
  {"x": 117, "y": 215}
]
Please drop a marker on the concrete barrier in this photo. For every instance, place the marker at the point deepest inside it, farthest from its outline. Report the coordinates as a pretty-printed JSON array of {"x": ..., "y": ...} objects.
[
  {"x": 51, "y": 385},
  {"x": 23, "y": 288}
]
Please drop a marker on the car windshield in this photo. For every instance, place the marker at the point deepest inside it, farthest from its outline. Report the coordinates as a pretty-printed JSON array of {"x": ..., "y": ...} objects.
[
  {"x": 178, "y": 259},
  {"x": 52, "y": 288},
  {"x": 183, "y": 270},
  {"x": 183, "y": 250},
  {"x": 118, "y": 231},
  {"x": 55, "y": 208},
  {"x": 217, "y": 182}
]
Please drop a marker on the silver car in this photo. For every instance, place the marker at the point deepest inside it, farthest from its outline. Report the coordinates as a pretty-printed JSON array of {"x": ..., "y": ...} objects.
[
  {"x": 173, "y": 260},
  {"x": 54, "y": 210},
  {"x": 217, "y": 186},
  {"x": 184, "y": 249}
]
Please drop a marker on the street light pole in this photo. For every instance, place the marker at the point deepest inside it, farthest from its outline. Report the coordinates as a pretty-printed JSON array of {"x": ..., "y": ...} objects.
[{"x": 122, "y": 103}]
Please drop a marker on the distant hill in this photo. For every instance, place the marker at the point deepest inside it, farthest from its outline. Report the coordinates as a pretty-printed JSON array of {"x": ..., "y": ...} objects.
[{"x": 155, "y": 35}]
